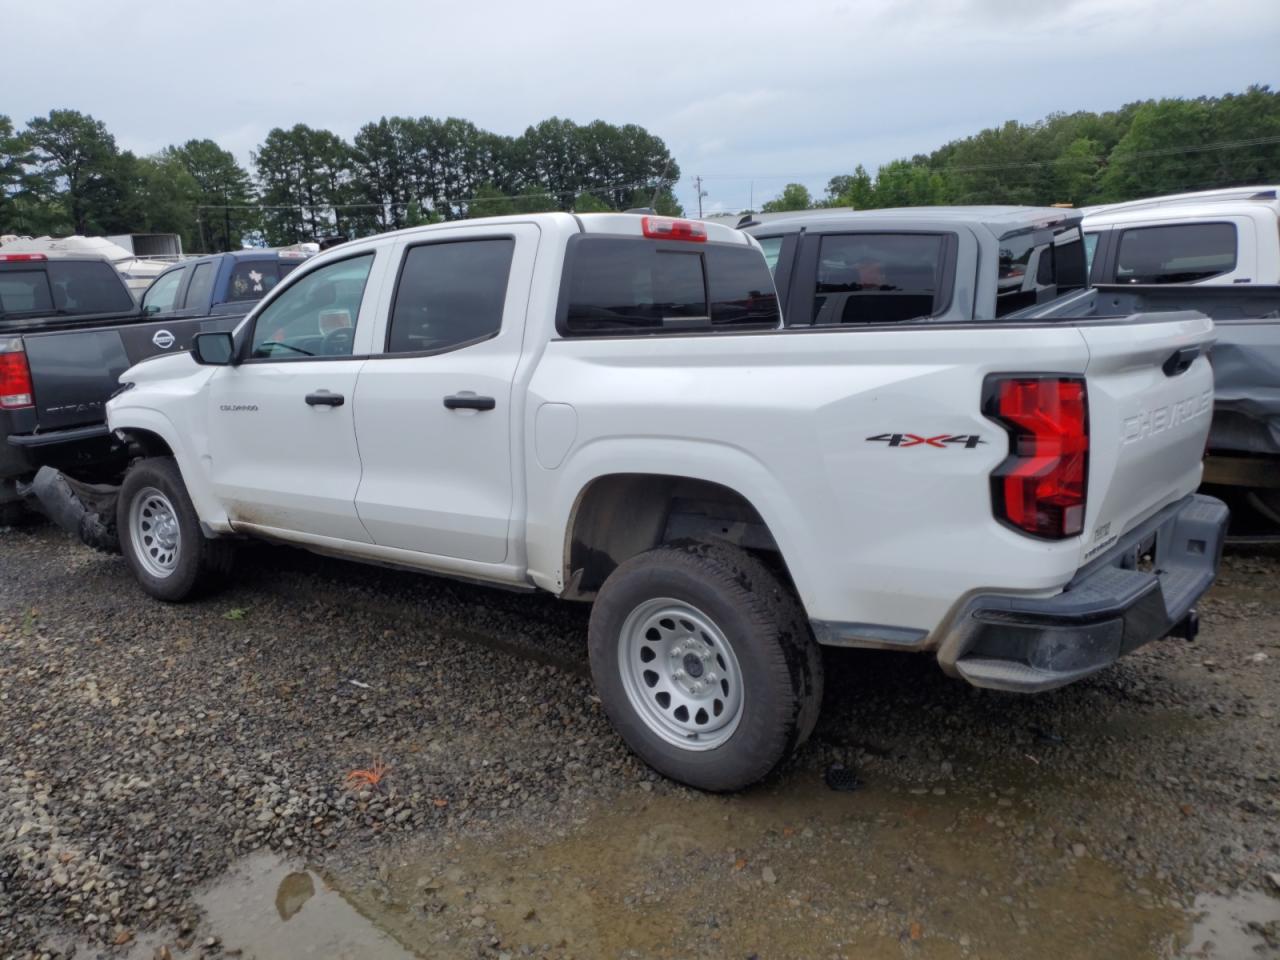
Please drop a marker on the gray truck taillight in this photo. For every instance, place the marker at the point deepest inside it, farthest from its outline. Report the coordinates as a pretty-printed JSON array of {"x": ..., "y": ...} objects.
[
  {"x": 15, "y": 375},
  {"x": 1042, "y": 487}
]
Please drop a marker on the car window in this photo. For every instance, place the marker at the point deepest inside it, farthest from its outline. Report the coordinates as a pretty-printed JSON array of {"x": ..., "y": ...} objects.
[
  {"x": 252, "y": 280},
  {"x": 450, "y": 294},
  {"x": 162, "y": 293},
  {"x": 772, "y": 247},
  {"x": 618, "y": 285},
  {"x": 1177, "y": 253},
  {"x": 25, "y": 291},
  {"x": 877, "y": 278},
  {"x": 1038, "y": 265},
  {"x": 316, "y": 316},
  {"x": 88, "y": 286},
  {"x": 200, "y": 287},
  {"x": 1090, "y": 248}
]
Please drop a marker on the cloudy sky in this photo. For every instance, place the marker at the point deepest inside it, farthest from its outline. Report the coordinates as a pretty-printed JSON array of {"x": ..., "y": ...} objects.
[{"x": 749, "y": 94}]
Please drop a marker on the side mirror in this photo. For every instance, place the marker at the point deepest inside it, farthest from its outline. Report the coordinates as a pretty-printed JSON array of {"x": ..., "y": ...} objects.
[{"x": 214, "y": 349}]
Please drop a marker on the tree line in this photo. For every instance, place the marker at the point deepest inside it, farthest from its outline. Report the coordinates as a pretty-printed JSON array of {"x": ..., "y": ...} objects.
[
  {"x": 1143, "y": 149},
  {"x": 64, "y": 173}
]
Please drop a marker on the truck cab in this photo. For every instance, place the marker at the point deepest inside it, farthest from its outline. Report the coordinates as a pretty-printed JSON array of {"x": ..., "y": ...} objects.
[{"x": 225, "y": 284}]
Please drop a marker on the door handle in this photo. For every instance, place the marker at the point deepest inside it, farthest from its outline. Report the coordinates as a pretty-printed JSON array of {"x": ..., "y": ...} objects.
[
  {"x": 1180, "y": 361},
  {"x": 323, "y": 398},
  {"x": 469, "y": 401}
]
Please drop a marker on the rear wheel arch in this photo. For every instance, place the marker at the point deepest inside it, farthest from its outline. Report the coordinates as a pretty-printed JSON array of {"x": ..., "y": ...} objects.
[{"x": 619, "y": 516}]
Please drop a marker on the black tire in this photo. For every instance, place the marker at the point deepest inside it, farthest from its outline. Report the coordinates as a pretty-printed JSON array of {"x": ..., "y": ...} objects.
[
  {"x": 200, "y": 563},
  {"x": 780, "y": 663}
]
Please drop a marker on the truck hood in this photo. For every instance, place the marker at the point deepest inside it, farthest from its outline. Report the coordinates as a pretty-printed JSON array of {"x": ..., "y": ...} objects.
[{"x": 164, "y": 367}]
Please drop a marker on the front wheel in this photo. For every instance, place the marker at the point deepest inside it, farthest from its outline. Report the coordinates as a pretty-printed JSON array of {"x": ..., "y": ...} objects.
[
  {"x": 704, "y": 664},
  {"x": 160, "y": 534}
]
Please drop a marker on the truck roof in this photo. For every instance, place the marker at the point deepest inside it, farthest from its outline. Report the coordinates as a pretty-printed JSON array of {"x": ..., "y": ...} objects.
[
  {"x": 1257, "y": 193},
  {"x": 613, "y": 224},
  {"x": 998, "y": 220}
]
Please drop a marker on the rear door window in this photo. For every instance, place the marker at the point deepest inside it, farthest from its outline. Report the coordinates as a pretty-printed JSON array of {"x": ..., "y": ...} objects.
[
  {"x": 450, "y": 294},
  {"x": 25, "y": 291},
  {"x": 200, "y": 287},
  {"x": 877, "y": 278},
  {"x": 616, "y": 285},
  {"x": 1176, "y": 253},
  {"x": 252, "y": 280}
]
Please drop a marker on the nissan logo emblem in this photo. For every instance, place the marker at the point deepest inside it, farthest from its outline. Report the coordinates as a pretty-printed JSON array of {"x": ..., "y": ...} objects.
[{"x": 163, "y": 339}]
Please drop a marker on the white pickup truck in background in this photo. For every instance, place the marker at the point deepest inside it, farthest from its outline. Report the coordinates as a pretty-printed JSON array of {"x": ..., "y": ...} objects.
[
  {"x": 608, "y": 407},
  {"x": 1187, "y": 246}
]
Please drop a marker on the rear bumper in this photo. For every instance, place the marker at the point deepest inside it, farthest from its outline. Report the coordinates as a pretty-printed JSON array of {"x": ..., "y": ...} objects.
[
  {"x": 90, "y": 450},
  {"x": 1112, "y": 606}
]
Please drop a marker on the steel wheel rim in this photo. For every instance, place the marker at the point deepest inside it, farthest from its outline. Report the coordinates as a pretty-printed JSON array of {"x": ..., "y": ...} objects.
[
  {"x": 154, "y": 532},
  {"x": 680, "y": 674}
]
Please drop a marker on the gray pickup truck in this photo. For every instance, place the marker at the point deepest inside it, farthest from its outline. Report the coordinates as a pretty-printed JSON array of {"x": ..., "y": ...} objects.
[
  {"x": 941, "y": 265},
  {"x": 68, "y": 328}
]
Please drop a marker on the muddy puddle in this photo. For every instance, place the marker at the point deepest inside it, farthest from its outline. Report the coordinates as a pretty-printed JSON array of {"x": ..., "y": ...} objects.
[{"x": 799, "y": 871}]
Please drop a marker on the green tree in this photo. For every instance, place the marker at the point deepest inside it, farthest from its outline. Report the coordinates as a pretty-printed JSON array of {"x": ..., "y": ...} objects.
[
  {"x": 221, "y": 193},
  {"x": 74, "y": 169},
  {"x": 590, "y": 203},
  {"x": 855, "y": 190},
  {"x": 794, "y": 196},
  {"x": 306, "y": 176}
]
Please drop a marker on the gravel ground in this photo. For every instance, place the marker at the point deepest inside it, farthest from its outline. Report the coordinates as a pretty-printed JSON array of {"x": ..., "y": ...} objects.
[{"x": 146, "y": 748}]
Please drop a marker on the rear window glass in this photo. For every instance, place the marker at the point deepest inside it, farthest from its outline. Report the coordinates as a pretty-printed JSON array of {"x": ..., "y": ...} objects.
[
  {"x": 877, "y": 278},
  {"x": 25, "y": 291},
  {"x": 619, "y": 285},
  {"x": 1181, "y": 253},
  {"x": 1039, "y": 265},
  {"x": 252, "y": 280}
]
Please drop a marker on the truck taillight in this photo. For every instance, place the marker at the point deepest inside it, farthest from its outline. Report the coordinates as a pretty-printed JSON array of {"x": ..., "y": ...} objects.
[
  {"x": 15, "y": 375},
  {"x": 22, "y": 257},
  {"x": 666, "y": 228},
  {"x": 1042, "y": 486}
]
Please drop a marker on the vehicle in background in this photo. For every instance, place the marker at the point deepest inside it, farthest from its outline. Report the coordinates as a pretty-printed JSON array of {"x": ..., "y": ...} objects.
[
  {"x": 607, "y": 407},
  {"x": 897, "y": 264},
  {"x": 138, "y": 271},
  {"x": 69, "y": 327},
  {"x": 1215, "y": 238},
  {"x": 223, "y": 284}
]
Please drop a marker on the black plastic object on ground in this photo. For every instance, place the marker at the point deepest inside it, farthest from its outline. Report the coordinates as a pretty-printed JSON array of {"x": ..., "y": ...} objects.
[
  {"x": 842, "y": 778},
  {"x": 86, "y": 510}
]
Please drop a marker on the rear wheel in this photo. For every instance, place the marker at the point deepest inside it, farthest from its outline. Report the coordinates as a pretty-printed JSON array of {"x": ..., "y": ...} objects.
[
  {"x": 705, "y": 664},
  {"x": 160, "y": 534}
]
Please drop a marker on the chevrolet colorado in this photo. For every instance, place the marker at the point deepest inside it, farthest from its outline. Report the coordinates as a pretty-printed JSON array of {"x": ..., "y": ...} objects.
[{"x": 608, "y": 407}]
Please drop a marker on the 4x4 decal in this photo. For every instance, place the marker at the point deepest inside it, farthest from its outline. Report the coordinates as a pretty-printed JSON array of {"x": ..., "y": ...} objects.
[{"x": 943, "y": 440}]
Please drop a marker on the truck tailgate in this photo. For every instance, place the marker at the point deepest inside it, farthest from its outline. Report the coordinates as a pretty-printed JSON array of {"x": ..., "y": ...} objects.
[
  {"x": 74, "y": 370},
  {"x": 1150, "y": 406}
]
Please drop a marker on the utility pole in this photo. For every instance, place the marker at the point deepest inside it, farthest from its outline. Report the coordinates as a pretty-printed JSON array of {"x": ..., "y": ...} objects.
[{"x": 697, "y": 182}]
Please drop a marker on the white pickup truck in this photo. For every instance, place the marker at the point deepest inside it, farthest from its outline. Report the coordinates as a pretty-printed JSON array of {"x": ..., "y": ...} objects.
[{"x": 608, "y": 407}]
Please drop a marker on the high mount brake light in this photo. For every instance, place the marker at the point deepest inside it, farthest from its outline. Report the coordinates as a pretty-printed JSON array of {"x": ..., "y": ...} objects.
[
  {"x": 22, "y": 257},
  {"x": 15, "y": 375},
  {"x": 665, "y": 228},
  {"x": 1041, "y": 488}
]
